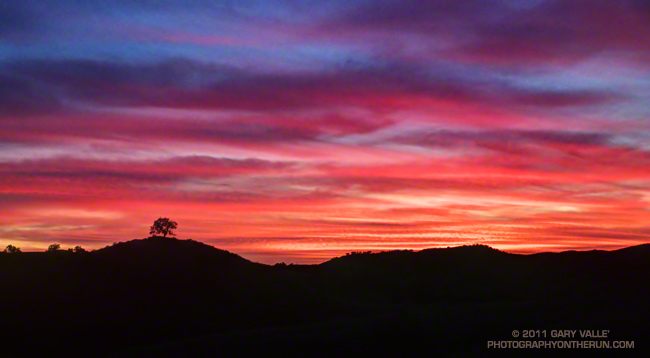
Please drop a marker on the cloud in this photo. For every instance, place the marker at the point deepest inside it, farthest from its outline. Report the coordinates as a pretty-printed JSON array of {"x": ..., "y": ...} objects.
[
  {"x": 188, "y": 84},
  {"x": 104, "y": 180},
  {"x": 503, "y": 33},
  {"x": 450, "y": 138},
  {"x": 20, "y": 97}
]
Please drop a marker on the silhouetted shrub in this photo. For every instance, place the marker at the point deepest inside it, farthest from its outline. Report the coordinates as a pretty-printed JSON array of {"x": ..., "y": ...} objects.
[
  {"x": 358, "y": 253},
  {"x": 11, "y": 249},
  {"x": 53, "y": 248}
]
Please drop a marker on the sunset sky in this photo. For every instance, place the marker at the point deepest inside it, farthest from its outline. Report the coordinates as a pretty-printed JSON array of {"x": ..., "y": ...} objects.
[{"x": 297, "y": 131}]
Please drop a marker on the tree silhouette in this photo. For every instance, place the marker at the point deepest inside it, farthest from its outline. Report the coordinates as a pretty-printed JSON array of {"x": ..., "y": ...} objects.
[
  {"x": 163, "y": 226},
  {"x": 11, "y": 249},
  {"x": 79, "y": 249},
  {"x": 53, "y": 247}
]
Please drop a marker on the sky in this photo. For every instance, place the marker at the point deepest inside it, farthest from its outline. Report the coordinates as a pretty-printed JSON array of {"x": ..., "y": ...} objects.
[{"x": 297, "y": 131}]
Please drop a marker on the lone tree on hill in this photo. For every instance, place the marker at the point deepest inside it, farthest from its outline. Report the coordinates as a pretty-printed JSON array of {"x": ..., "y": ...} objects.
[
  {"x": 11, "y": 249},
  {"x": 163, "y": 226}
]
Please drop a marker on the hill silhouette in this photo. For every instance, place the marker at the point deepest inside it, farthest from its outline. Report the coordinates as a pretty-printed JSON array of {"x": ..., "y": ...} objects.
[
  {"x": 170, "y": 254},
  {"x": 164, "y": 297},
  {"x": 159, "y": 245}
]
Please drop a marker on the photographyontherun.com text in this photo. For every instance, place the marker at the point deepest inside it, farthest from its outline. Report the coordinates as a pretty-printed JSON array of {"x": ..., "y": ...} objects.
[{"x": 573, "y": 339}]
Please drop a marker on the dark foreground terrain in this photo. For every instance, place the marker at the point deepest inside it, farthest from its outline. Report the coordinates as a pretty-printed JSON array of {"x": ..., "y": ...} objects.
[{"x": 162, "y": 297}]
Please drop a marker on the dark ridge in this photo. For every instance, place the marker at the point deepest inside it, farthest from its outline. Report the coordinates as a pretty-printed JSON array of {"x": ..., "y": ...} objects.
[
  {"x": 153, "y": 243},
  {"x": 643, "y": 249},
  {"x": 477, "y": 248},
  {"x": 165, "y": 250},
  {"x": 397, "y": 256},
  {"x": 164, "y": 297}
]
